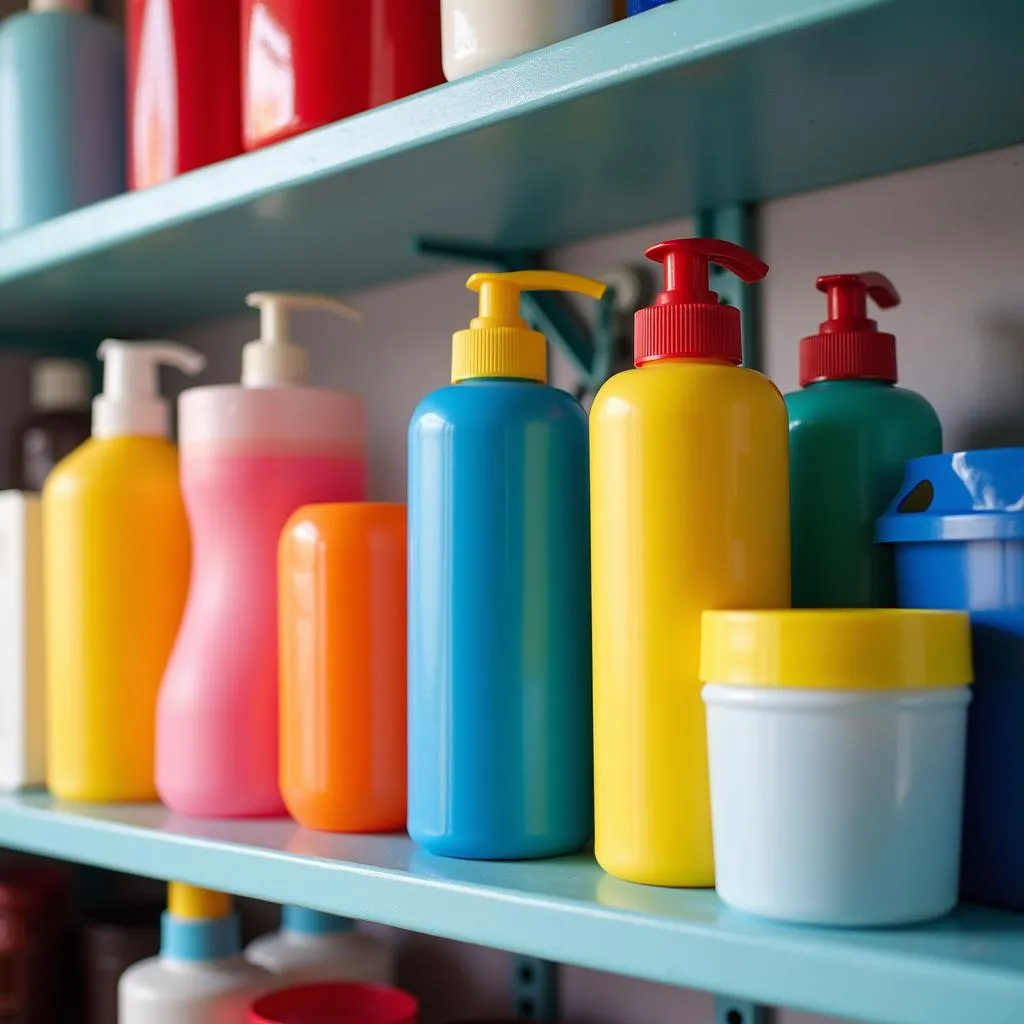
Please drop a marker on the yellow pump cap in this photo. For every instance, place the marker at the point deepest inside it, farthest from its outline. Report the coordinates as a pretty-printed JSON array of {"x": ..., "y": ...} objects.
[
  {"x": 190, "y": 903},
  {"x": 498, "y": 343}
]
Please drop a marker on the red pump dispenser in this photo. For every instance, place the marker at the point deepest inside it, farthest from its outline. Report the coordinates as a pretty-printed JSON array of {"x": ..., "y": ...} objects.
[
  {"x": 849, "y": 344},
  {"x": 687, "y": 320}
]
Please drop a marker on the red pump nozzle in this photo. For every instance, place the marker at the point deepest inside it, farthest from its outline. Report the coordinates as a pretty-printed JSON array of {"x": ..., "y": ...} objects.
[
  {"x": 849, "y": 345},
  {"x": 687, "y": 320}
]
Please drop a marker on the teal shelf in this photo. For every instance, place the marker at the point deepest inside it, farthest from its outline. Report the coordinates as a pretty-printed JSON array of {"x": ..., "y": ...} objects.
[
  {"x": 969, "y": 967},
  {"x": 694, "y": 105}
]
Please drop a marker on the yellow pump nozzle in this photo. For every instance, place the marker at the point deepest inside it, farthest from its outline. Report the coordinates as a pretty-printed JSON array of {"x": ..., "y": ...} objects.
[
  {"x": 190, "y": 903},
  {"x": 498, "y": 342}
]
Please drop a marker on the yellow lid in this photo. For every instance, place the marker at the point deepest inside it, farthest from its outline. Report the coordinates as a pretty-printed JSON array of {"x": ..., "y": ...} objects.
[
  {"x": 860, "y": 649},
  {"x": 498, "y": 342},
  {"x": 190, "y": 903}
]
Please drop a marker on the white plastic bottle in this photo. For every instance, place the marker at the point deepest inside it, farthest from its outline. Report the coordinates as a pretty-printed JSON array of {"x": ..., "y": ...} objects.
[
  {"x": 313, "y": 946},
  {"x": 476, "y": 34},
  {"x": 200, "y": 976}
]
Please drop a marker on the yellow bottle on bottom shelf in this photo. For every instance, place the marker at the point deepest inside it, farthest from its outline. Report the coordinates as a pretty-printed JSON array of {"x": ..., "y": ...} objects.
[
  {"x": 689, "y": 511},
  {"x": 117, "y": 557}
]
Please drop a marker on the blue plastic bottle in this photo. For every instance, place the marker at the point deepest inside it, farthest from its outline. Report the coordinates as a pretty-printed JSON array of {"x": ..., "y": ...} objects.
[
  {"x": 61, "y": 110},
  {"x": 639, "y": 6},
  {"x": 500, "y": 749},
  {"x": 957, "y": 529}
]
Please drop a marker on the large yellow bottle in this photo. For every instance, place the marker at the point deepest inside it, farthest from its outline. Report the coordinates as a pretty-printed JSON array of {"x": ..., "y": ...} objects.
[
  {"x": 116, "y": 568},
  {"x": 689, "y": 510}
]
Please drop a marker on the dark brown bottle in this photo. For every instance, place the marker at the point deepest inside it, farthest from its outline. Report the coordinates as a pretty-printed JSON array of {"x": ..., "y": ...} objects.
[
  {"x": 113, "y": 940},
  {"x": 59, "y": 422}
]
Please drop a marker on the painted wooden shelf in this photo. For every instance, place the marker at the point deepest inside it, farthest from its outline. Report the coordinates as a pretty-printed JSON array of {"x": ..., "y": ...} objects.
[
  {"x": 969, "y": 967},
  {"x": 693, "y": 105}
]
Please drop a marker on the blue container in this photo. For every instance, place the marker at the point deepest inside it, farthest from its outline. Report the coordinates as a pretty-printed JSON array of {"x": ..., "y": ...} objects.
[
  {"x": 958, "y": 530},
  {"x": 500, "y": 721},
  {"x": 639, "y": 6},
  {"x": 62, "y": 112}
]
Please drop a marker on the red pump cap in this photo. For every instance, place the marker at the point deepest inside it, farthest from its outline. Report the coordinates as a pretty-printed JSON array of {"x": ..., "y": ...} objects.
[
  {"x": 687, "y": 320},
  {"x": 849, "y": 345}
]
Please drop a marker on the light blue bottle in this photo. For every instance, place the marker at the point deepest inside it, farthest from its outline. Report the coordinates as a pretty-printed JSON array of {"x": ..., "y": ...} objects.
[
  {"x": 500, "y": 707},
  {"x": 62, "y": 112}
]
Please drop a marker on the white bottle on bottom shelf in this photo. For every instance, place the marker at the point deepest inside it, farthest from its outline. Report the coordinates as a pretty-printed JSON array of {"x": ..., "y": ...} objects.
[
  {"x": 200, "y": 976},
  {"x": 313, "y": 946}
]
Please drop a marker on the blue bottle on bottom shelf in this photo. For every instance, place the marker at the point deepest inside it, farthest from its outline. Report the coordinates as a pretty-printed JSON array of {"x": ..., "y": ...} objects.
[{"x": 500, "y": 762}]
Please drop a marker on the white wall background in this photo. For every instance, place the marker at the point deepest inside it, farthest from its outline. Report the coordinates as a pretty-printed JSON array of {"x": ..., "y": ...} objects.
[{"x": 951, "y": 237}]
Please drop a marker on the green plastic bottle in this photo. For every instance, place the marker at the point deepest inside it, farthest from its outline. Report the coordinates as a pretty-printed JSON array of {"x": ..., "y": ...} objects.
[{"x": 851, "y": 430}]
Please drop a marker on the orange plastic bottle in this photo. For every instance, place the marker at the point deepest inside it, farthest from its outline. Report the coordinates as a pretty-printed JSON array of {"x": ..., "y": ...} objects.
[{"x": 343, "y": 681}]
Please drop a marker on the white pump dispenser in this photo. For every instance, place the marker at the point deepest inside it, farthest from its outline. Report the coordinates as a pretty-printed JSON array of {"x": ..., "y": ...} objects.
[
  {"x": 274, "y": 360},
  {"x": 131, "y": 404}
]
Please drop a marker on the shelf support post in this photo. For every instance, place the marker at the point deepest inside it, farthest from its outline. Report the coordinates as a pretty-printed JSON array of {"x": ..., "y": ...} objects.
[
  {"x": 735, "y": 222},
  {"x": 741, "y": 1011},
  {"x": 535, "y": 989}
]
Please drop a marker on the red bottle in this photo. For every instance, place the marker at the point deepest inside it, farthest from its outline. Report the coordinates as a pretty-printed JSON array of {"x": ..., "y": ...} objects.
[
  {"x": 307, "y": 63},
  {"x": 405, "y": 48},
  {"x": 184, "y": 101}
]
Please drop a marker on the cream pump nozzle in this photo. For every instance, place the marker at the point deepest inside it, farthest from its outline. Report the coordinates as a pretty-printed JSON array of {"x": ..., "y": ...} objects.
[
  {"x": 130, "y": 404},
  {"x": 274, "y": 360}
]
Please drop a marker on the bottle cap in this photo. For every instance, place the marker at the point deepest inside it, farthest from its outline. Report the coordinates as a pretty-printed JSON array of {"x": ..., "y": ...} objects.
[
  {"x": 301, "y": 921},
  {"x": 273, "y": 360},
  {"x": 60, "y": 384},
  {"x": 849, "y": 345},
  {"x": 190, "y": 903},
  {"x": 498, "y": 342},
  {"x": 130, "y": 404},
  {"x": 687, "y": 320},
  {"x": 37, "y": 6}
]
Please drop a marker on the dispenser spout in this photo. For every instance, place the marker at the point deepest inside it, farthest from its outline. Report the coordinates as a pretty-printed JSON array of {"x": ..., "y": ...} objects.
[
  {"x": 131, "y": 403},
  {"x": 273, "y": 360}
]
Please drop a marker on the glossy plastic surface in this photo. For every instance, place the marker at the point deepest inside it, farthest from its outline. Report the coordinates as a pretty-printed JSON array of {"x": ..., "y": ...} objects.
[
  {"x": 342, "y": 623},
  {"x": 336, "y": 1003},
  {"x": 848, "y": 443},
  {"x": 958, "y": 533},
  {"x": 184, "y": 101},
  {"x": 217, "y": 730},
  {"x": 116, "y": 557},
  {"x": 62, "y": 107},
  {"x": 477, "y": 34},
  {"x": 639, "y": 6},
  {"x": 166, "y": 991},
  {"x": 301, "y": 957},
  {"x": 499, "y": 622},
  {"x": 690, "y": 510},
  {"x": 307, "y": 63},
  {"x": 837, "y": 808}
]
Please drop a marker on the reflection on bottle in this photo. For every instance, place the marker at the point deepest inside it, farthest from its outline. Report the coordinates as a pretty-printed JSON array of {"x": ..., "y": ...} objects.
[
  {"x": 155, "y": 103},
  {"x": 270, "y": 92}
]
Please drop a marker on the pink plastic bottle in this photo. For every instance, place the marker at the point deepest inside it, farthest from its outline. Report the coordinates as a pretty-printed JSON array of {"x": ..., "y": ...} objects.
[{"x": 250, "y": 456}]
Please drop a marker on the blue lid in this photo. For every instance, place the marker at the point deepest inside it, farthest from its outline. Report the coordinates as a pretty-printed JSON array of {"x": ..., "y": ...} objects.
[
  {"x": 958, "y": 496},
  {"x": 214, "y": 938},
  {"x": 639, "y": 6},
  {"x": 312, "y": 922}
]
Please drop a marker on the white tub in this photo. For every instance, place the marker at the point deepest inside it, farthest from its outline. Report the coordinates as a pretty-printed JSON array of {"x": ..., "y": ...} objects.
[
  {"x": 835, "y": 806},
  {"x": 477, "y": 34}
]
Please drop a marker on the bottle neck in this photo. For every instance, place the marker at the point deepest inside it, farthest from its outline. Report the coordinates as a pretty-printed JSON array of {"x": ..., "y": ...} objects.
[{"x": 212, "y": 939}]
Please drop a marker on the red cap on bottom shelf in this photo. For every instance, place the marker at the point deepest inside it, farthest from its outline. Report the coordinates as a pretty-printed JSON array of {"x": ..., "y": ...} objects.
[{"x": 335, "y": 1003}]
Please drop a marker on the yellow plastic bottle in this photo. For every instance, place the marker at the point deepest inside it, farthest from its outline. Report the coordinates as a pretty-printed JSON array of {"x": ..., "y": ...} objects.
[
  {"x": 116, "y": 569},
  {"x": 689, "y": 511}
]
